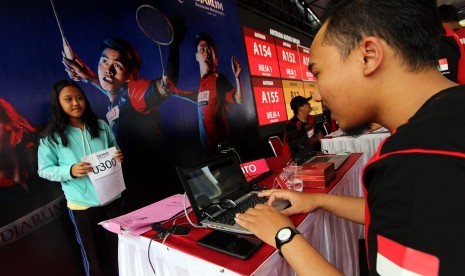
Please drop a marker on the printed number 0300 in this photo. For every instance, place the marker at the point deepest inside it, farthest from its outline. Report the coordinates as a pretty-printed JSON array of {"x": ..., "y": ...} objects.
[{"x": 108, "y": 164}]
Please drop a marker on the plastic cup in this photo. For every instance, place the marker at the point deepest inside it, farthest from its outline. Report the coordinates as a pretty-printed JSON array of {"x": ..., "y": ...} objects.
[
  {"x": 295, "y": 184},
  {"x": 290, "y": 171}
]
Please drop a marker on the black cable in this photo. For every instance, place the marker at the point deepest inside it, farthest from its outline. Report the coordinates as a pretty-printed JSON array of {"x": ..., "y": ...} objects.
[
  {"x": 157, "y": 226},
  {"x": 148, "y": 253},
  {"x": 227, "y": 150},
  {"x": 187, "y": 214}
]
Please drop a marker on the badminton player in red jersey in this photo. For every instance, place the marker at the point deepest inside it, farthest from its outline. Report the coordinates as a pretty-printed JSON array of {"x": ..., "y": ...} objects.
[{"x": 214, "y": 95}]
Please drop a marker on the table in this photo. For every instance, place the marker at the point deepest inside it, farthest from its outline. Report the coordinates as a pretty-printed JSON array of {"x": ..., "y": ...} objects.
[
  {"x": 367, "y": 143},
  {"x": 335, "y": 238}
]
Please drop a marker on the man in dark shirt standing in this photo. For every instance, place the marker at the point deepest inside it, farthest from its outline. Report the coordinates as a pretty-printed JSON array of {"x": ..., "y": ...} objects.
[{"x": 302, "y": 120}]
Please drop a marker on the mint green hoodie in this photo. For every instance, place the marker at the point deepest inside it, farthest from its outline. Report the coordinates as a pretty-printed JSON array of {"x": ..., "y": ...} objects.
[{"x": 55, "y": 161}]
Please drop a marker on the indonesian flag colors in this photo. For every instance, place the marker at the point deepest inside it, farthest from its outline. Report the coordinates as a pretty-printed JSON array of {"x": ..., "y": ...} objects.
[
  {"x": 443, "y": 65},
  {"x": 395, "y": 259}
]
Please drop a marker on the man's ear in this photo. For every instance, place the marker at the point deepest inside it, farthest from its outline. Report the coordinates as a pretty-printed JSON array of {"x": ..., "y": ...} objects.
[
  {"x": 372, "y": 50},
  {"x": 135, "y": 74}
]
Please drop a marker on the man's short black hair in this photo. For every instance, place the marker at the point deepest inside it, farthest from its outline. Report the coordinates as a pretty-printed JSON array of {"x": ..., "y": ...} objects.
[
  {"x": 411, "y": 27},
  {"x": 129, "y": 55},
  {"x": 205, "y": 37},
  {"x": 448, "y": 13}
]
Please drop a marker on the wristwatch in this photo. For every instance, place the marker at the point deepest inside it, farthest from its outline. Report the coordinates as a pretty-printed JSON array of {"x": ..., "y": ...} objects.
[{"x": 283, "y": 236}]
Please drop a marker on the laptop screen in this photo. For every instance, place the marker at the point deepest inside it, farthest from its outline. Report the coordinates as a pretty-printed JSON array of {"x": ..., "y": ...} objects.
[
  {"x": 212, "y": 179},
  {"x": 299, "y": 145}
]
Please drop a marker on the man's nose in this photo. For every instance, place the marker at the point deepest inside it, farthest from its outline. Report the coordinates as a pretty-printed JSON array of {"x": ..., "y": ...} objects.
[{"x": 111, "y": 70}]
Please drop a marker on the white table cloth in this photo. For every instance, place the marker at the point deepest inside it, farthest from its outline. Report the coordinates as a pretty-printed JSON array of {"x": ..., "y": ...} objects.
[{"x": 366, "y": 143}]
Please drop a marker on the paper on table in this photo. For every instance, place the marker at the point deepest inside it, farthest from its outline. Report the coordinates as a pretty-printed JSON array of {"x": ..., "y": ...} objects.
[
  {"x": 106, "y": 175},
  {"x": 159, "y": 211},
  {"x": 340, "y": 132},
  {"x": 138, "y": 231},
  {"x": 380, "y": 130},
  {"x": 336, "y": 133}
]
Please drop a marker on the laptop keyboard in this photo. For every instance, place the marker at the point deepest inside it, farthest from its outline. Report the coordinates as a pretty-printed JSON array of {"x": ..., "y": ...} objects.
[{"x": 227, "y": 217}]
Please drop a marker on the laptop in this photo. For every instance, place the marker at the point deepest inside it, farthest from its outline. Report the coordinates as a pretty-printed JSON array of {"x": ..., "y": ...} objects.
[
  {"x": 302, "y": 153},
  {"x": 217, "y": 189}
]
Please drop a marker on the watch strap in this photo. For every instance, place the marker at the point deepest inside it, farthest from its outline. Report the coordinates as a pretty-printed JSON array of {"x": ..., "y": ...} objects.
[{"x": 280, "y": 243}]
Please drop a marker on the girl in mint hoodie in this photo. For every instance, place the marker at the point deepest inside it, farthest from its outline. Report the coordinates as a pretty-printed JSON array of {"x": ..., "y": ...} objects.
[{"x": 74, "y": 131}]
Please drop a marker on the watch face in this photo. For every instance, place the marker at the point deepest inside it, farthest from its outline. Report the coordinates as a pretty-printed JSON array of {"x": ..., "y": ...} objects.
[{"x": 284, "y": 234}]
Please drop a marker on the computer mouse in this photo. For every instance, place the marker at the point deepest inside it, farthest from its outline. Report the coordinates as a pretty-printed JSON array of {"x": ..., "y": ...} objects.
[
  {"x": 258, "y": 187},
  {"x": 228, "y": 204}
]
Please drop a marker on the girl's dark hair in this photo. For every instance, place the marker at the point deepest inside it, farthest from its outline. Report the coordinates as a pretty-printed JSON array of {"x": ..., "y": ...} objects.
[{"x": 59, "y": 120}]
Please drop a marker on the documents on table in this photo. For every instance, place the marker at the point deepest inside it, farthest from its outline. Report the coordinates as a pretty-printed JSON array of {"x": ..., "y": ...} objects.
[
  {"x": 140, "y": 221},
  {"x": 380, "y": 130},
  {"x": 106, "y": 174},
  {"x": 340, "y": 133}
]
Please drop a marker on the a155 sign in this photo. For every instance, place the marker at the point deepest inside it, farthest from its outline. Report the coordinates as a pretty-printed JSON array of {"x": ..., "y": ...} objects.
[{"x": 269, "y": 100}]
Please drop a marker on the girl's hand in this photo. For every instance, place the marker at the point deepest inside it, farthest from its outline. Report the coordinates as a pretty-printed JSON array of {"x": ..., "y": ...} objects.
[
  {"x": 118, "y": 156},
  {"x": 80, "y": 169}
]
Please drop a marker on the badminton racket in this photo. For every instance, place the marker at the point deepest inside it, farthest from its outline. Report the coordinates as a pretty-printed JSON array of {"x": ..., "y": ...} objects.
[
  {"x": 156, "y": 26},
  {"x": 66, "y": 48}
]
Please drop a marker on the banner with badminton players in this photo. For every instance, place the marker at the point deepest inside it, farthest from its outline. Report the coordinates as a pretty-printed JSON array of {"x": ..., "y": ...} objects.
[{"x": 170, "y": 78}]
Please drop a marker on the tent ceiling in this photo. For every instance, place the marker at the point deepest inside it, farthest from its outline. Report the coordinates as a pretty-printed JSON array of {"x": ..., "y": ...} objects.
[{"x": 302, "y": 15}]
